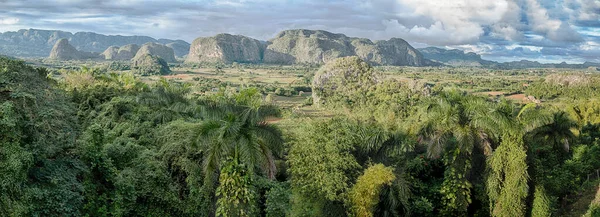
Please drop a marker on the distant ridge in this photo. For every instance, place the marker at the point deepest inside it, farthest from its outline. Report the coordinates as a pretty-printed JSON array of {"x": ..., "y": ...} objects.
[
  {"x": 62, "y": 50},
  {"x": 302, "y": 46},
  {"x": 39, "y": 43},
  {"x": 455, "y": 57},
  {"x": 297, "y": 46}
]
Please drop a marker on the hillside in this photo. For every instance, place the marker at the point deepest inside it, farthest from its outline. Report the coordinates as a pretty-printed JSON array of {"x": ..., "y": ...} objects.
[
  {"x": 155, "y": 49},
  {"x": 226, "y": 48},
  {"x": 318, "y": 47},
  {"x": 454, "y": 57},
  {"x": 302, "y": 46},
  {"x": 38, "y": 43},
  {"x": 63, "y": 50}
]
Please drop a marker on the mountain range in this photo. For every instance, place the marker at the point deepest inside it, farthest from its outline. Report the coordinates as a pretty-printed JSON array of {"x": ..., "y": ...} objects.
[
  {"x": 298, "y": 46},
  {"x": 39, "y": 43},
  {"x": 301, "y": 46},
  {"x": 455, "y": 57}
]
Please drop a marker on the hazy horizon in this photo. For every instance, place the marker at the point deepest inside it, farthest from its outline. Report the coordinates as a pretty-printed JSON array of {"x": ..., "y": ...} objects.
[{"x": 505, "y": 30}]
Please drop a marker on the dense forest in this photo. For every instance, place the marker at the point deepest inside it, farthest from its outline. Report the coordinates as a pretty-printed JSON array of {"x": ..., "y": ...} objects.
[{"x": 98, "y": 143}]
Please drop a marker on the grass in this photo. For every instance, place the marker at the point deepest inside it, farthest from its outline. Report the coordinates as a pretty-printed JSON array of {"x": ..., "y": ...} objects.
[{"x": 582, "y": 203}]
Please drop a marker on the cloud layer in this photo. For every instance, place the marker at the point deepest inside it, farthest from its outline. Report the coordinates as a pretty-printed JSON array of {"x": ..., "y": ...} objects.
[{"x": 543, "y": 30}]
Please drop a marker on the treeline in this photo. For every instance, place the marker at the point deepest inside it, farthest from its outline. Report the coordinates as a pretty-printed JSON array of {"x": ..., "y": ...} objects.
[{"x": 102, "y": 144}]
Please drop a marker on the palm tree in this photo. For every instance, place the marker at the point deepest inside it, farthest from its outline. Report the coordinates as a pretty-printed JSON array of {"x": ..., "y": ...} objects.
[
  {"x": 452, "y": 127},
  {"x": 557, "y": 132},
  {"x": 509, "y": 175},
  {"x": 234, "y": 127},
  {"x": 168, "y": 100},
  {"x": 381, "y": 146},
  {"x": 231, "y": 129}
]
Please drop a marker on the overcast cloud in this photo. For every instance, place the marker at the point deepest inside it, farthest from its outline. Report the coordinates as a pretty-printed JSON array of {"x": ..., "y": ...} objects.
[{"x": 504, "y": 30}]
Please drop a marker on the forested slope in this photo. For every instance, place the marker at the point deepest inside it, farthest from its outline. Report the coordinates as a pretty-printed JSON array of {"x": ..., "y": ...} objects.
[{"x": 94, "y": 143}]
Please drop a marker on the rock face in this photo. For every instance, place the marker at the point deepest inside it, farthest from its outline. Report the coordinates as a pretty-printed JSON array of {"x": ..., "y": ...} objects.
[
  {"x": 225, "y": 48},
  {"x": 181, "y": 48},
  {"x": 38, "y": 43},
  {"x": 62, "y": 50},
  {"x": 571, "y": 79},
  {"x": 454, "y": 57},
  {"x": 148, "y": 64},
  {"x": 396, "y": 52},
  {"x": 126, "y": 52},
  {"x": 342, "y": 79},
  {"x": 155, "y": 49},
  {"x": 317, "y": 47},
  {"x": 110, "y": 53}
]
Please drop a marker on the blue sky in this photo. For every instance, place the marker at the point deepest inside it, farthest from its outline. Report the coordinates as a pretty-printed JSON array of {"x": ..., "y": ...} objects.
[{"x": 502, "y": 30}]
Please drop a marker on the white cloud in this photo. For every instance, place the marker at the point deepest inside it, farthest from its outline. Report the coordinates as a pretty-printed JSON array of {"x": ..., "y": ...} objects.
[
  {"x": 585, "y": 10},
  {"x": 539, "y": 19},
  {"x": 9, "y": 21},
  {"x": 480, "y": 26},
  {"x": 531, "y": 48},
  {"x": 589, "y": 46},
  {"x": 458, "y": 21},
  {"x": 553, "y": 29}
]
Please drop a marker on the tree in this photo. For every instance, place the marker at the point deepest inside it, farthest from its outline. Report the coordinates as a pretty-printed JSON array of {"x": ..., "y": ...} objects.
[
  {"x": 38, "y": 128},
  {"x": 343, "y": 81},
  {"x": 321, "y": 167},
  {"x": 507, "y": 179},
  {"x": 168, "y": 100},
  {"x": 237, "y": 197},
  {"x": 238, "y": 129},
  {"x": 451, "y": 128},
  {"x": 557, "y": 132},
  {"x": 364, "y": 195},
  {"x": 594, "y": 209},
  {"x": 235, "y": 127},
  {"x": 541, "y": 206}
]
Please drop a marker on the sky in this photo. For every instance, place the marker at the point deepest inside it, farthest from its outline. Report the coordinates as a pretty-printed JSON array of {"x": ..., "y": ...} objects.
[{"x": 500, "y": 30}]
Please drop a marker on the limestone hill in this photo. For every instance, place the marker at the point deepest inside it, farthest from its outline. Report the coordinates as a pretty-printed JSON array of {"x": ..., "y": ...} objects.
[
  {"x": 302, "y": 46},
  {"x": 155, "y": 49},
  {"x": 454, "y": 57},
  {"x": 225, "y": 48},
  {"x": 181, "y": 48},
  {"x": 126, "y": 52},
  {"x": 147, "y": 64},
  {"x": 310, "y": 46},
  {"x": 38, "y": 43},
  {"x": 62, "y": 50}
]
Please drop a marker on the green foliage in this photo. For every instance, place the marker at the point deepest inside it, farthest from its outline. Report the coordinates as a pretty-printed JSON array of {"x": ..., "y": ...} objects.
[
  {"x": 422, "y": 206},
  {"x": 453, "y": 127},
  {"x": 594, "y": 209},
  {"x": 541, "y": 203},
  {"x": 150, "y": 65},
  {"x": 343, "y": 81},
  {"x": 571, "y": 86},
  {"x": 236, "y": 194},
  {"x": 118, "y": 66},
  {"x": 364, "y": 195},
  {"x": 507, "y": 180},
  {"x": 277, "y": 203},
  {"x": 37, "y": 133},
  {"x": 585, "y": 111},
  {"x": 93, "y": 143},
  {"x": 456, "y": 188},
  {"x": 235, "y": 127},
  {"x": 320, "y": 161}
]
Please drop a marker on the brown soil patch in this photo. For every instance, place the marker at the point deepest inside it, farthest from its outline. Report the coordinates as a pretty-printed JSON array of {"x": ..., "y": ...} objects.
[
  {"x": 182, "y": 76},
  {"x": 491, "y": 93},
  {"x": 521, "y": 97},
  {"x": 273, "y": 120}
]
